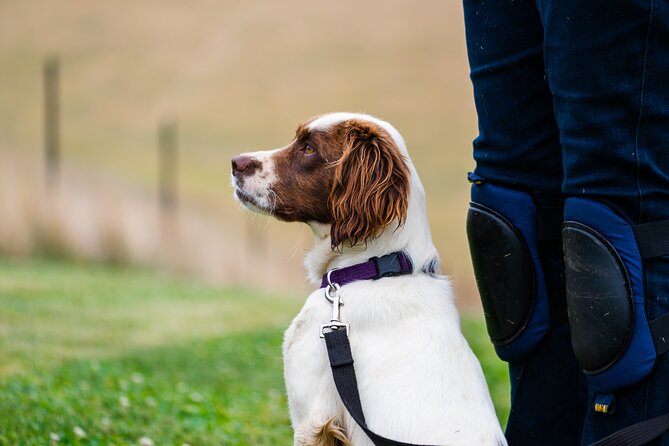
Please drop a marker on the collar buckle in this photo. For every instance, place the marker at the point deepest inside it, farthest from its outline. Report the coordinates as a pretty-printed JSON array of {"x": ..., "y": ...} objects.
[{"x": 391, "y": 265}]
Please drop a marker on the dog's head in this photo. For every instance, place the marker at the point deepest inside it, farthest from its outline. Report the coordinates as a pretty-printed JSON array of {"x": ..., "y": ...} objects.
[{"x": 342, "y": 169}]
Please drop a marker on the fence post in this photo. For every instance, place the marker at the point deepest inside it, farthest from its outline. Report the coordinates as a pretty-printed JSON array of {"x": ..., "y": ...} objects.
[
  {"x": 52, "y": 119},
  {"x": 168, "y": 159}
]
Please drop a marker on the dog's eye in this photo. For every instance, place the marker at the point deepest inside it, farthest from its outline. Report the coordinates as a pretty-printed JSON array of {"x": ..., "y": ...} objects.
[{"x": 308, "y": 150}]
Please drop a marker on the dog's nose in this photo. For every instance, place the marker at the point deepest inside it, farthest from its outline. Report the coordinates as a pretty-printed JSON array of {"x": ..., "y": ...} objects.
[{"x": 243, "y": 163}]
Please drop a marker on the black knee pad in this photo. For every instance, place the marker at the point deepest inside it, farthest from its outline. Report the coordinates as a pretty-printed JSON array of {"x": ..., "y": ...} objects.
[
  {"x": 502, "y": 233},
  {"x": 612, "y": 339}
]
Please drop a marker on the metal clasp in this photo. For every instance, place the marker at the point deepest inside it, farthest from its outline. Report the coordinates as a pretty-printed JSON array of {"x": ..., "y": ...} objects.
[
  {"x": 332, "y": 296},
  {"x": 332, "y": 288}
]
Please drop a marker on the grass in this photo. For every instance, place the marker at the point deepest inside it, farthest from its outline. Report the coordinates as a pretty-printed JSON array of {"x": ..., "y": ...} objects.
[
  {"x": 50, "y": 312},
  {"x": 120, "y": 355},
  {"x": 220, "y": 391}
]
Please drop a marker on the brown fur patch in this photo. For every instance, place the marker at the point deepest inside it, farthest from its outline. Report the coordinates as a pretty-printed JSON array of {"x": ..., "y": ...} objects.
[
  {"x": 304, "y": 179},
  {"x": 330, "y": 433},
  {"x": 371, "y": 185}
]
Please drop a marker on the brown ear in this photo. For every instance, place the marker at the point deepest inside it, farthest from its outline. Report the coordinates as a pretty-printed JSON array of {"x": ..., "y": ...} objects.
[{"x": 371, "y": 185}]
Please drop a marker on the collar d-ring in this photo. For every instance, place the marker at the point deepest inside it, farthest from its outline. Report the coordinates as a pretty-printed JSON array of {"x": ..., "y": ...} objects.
[{"x": 332, "y": 288}]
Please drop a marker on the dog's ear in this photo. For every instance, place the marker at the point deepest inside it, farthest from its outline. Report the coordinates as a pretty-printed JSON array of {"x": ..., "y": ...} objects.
[{"x": 370, "y": 188}]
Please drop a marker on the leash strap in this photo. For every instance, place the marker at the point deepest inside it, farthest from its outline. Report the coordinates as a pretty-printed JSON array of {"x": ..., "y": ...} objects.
[
  {"x": 637, "y": 434},
  {"x": 652, "y": 238},
  {"x": 343, "y": 372}
]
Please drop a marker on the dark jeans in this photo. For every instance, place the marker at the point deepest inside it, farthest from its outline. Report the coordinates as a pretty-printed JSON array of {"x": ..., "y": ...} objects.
[{"x": 573, "y": 100}]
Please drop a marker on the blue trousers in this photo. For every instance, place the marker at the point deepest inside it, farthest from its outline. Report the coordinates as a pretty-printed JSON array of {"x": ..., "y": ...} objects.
[{"x": 572, "y": 99}]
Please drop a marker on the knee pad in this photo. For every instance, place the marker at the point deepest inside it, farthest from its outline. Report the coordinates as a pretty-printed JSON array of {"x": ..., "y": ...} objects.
[
  {"x": 614, "y": 343},
  {"x": 502, "y": 233}
]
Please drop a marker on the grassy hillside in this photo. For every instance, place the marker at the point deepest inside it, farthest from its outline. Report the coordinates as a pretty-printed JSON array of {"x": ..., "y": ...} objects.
[
  {"x": 240, "y": 76},
  {"x": 98, "y": 356}
]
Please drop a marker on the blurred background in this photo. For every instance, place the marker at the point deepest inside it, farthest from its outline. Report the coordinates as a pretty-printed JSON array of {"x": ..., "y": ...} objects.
[
  {"x": 119, "y": 236},
  {"x": 232, "y": 77}
]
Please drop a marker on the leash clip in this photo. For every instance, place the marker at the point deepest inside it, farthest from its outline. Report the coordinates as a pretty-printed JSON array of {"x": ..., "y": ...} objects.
[
  {"x": 332, "y": 296},
  {"x": 332, "y": 289}
]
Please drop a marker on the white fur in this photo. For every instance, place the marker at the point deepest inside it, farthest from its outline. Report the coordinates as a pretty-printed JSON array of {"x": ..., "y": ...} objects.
[
  {"x": 260, "y": 184},
  {"x": 418, "y": 379}
]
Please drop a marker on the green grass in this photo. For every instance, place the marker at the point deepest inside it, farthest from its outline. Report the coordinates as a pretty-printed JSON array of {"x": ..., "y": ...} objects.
[
  {"x": 123, "y": 355},
  {"x": 220, "y": 391},
  {"x": 50, "y": 312}
]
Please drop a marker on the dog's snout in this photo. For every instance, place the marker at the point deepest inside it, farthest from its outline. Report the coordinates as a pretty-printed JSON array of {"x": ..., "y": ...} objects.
[{"x": 244, "y": 165}]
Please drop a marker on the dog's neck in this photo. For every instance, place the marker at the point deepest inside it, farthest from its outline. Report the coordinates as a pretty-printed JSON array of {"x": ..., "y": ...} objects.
[{"x": 413, "y": 237}]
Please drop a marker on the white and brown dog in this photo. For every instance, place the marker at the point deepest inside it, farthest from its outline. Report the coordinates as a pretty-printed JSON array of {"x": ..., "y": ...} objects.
[{"x": 350, "y": 178}]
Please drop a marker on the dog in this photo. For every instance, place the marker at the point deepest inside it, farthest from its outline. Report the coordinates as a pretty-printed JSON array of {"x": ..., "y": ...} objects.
[{"x": 350, "y": 179}]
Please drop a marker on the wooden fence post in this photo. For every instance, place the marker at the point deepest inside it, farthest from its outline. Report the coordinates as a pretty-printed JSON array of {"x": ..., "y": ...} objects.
[
  {"x": 52, "y": 119},
  {"x": 168, "y": 159}
]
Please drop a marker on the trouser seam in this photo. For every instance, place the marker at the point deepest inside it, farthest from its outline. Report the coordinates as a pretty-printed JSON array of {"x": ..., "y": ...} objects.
[
  {"x": 637, "y": 137},
  {"x": 641, "y": 105}
]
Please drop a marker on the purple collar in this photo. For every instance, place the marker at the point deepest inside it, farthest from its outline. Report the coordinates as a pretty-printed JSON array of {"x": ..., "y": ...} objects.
[{"x": 393, "y": 264}]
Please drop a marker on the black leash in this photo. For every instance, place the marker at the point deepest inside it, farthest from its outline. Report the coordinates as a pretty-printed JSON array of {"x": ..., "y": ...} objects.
[
  {"x": 343, "y": 372},
  {"x": 341, "y": 362},
  {"x": 336, "y": 332},
  {"x": 637, "y": 434}
]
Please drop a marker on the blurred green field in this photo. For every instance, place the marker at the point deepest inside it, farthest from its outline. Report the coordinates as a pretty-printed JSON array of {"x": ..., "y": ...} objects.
[{"x": 99, "y": 356}]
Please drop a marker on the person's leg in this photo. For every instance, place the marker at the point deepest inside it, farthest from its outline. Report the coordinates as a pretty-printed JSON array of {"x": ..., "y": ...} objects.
[
  {"x": 518, "y": 141},
  {"x": 607, "y": 65},
  {"x": 518, "y": 148}
]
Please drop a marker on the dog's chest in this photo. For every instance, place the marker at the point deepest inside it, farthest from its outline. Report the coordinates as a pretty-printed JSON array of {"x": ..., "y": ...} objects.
[{"x": 305, "y": 360}]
